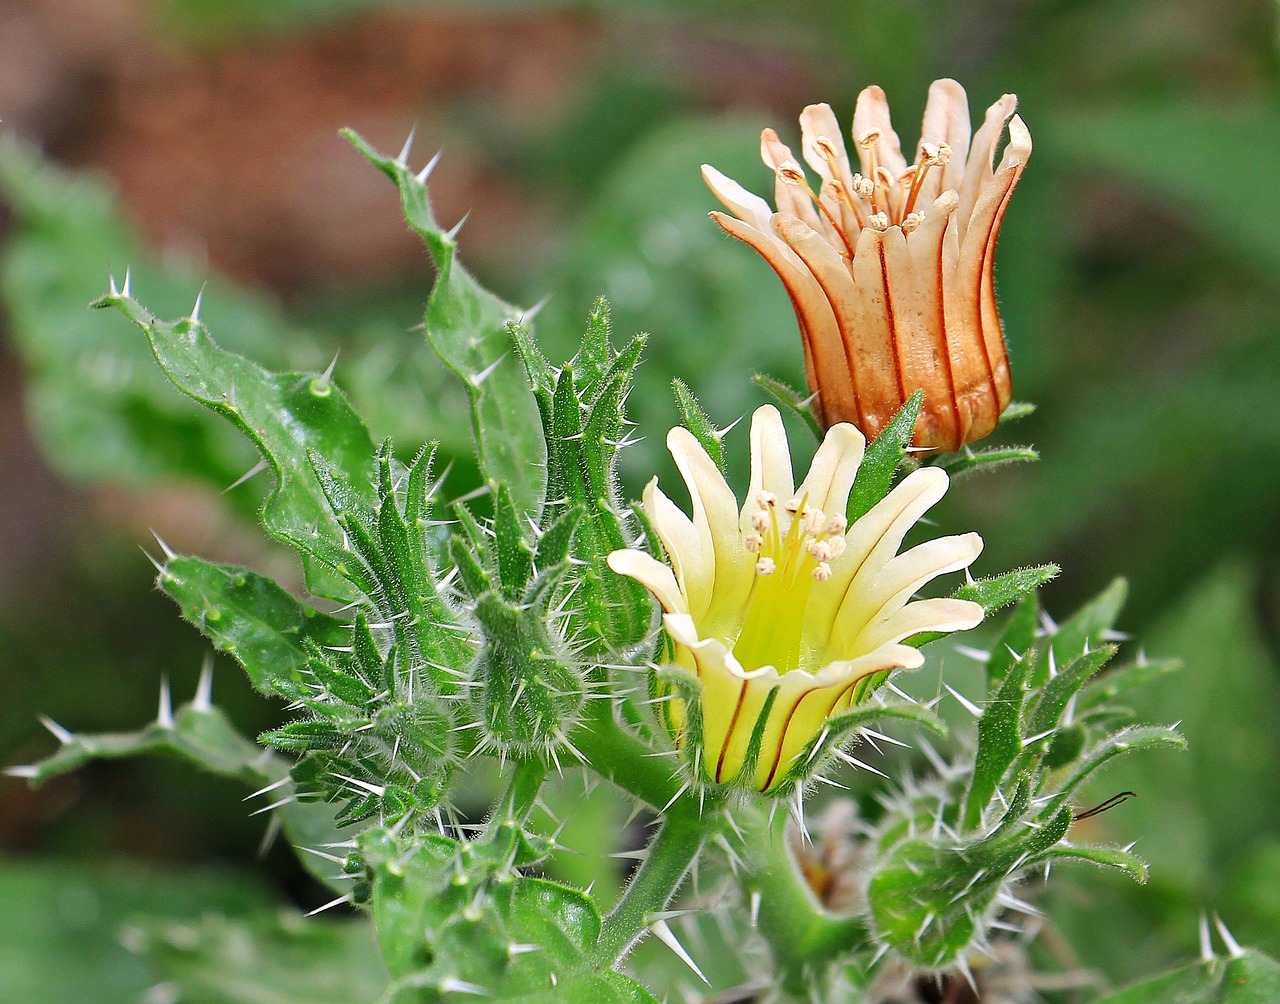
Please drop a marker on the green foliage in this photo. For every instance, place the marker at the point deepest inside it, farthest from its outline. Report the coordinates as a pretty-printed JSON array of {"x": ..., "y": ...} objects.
[
  {"x": 200, "y": 734},
  {"x": 582, "y": 409},
  {"x": 950, "y": 849},
  {"x": 1247, "y": 977},
  {"x": 457, "y": 918},
  {"x": 884, "y": 456},
  {"x": 469, "y": 328}
]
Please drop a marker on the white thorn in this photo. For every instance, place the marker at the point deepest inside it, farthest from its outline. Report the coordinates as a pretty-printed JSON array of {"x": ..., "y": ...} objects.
[
  {"x": 968, "y": 705},
  {"x": 164, "y": 716},
  {"x": 27, "y": 770},
  {"x": 664, "y": 935},
  {"x": 168, "y": 551},
  {"x": 453, "y": 232},
  {"x": 755, "y": 908},
  {"x": 124, "y": 290},
  {"x": 1206, "y": 940},
  {"x": 453, "y": 985},
  {"x": 195, "y": 311},
  {"x": 271, "y": 787},
  {"x": 111, "y": 286},
  {"x": 203, "y": 701},
  {"x": 403, "y": 158},
  {"x": 883, "y": 738},
  {"x": 1232, "y": 946},
  {"x": 330, "y": 905},
  {"x": 59, "y": 733},
  {"x": 425, "y": 173},
  {"x": 257, "y": 468}
]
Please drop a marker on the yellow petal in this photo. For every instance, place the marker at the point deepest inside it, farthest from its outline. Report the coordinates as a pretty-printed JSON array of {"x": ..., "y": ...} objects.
[
  {"x": 653, "y": 575},
  {"x": 834, "y": 467},
  {"x": 689, "y": 552}
]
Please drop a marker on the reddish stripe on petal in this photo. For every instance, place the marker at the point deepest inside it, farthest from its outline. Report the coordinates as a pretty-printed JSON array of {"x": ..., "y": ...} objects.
[{"x": 728, "y": 736}]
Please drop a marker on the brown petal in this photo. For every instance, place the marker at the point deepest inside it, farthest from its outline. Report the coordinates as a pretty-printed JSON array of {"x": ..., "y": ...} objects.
[
  {"x": 838, "y": 378},
  {"x": 946, "y": 120},
  {"x": 747, "y": 206},
  {"x": 872, "y": 112},
  {"x": 819, "y": 121},
  {"x": 818, "y": 328},
  {"x": 977, "y": 169},
  {"x": 789, "y": 198}
]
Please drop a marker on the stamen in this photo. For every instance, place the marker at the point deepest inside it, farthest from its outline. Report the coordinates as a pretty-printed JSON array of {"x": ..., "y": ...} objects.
[
  {"x": 911, "y": 221},
  {"x": 822, "y": 572},
  {"x": 878, "y": 221},
  {"x": 837, "y": 524},
  {"x": 766, "y": 566},
  {"x": 754, "y": 542}
]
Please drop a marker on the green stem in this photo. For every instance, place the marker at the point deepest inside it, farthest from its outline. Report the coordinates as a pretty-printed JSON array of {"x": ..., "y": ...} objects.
[
  {"x": 654, "y": 884},
  {"x": 624, "y": 759},
  {"x": 522, "y": 791},
  {"x": 803, "y": 936}
]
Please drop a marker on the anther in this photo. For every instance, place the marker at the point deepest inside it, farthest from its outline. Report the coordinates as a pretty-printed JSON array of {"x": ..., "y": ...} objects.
[
  {"x": 766, "y": 500},
  {"x": 837, "y": 524},
  {"x": 912, "y": 221},
  {"x": 878, "y": 221},
  {"x": 835, "y": 546},
  {"x": 790, "y": 173},
  {"x": 766, "y": 566},
  {"x": 760, "y": 522},
  {"x": 869, "y": 139},
  {"x": 822, "y": 572},
  {"x": 825, "y": 147},
  {"x": 863, "y": 187},
  {"x": 754, "y": 542},
  {"x": 813, "y": 520},
  {"x": 793, "y": 506},
  {"x": 943, "y": 156},
  {"x": 820, "y": 550}
]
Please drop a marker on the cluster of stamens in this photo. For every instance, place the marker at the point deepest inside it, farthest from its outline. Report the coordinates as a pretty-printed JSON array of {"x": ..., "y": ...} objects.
[
  {"x": 877, "y": 199},
  {"x": 809, "y": 544}
]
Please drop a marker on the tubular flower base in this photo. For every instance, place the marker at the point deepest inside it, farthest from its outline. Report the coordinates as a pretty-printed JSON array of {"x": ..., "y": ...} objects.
[
  {"x": 890, "y": 268},
  {"x": 780, "y": 609}
]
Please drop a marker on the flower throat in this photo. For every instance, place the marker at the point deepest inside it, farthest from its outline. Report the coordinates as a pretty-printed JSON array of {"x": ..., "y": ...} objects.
[{"x": 790, "y": 561}]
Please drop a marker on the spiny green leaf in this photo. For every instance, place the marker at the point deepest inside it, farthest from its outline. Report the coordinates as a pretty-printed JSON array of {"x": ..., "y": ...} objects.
[
  {"x": 467, "y": 326},
  {"x": 884, "y": 454},
  {"x": 1248, "y": 978},
  {"x": 999, "y": 741},
  {"x": 969, "y": 461},
  {"x": 790, "y": 399},
  {"x": 251, "y": 618},
  {"x": 287, "y": 416},
  {"x": 693, "y": 418},
  {"x": 1001, "y": 590}
]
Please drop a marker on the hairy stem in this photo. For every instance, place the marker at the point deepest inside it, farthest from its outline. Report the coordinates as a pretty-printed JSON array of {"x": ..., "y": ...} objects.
[
  {"x": 624, "y": 759},
  {"x": 654, "y": 884},
  {"x": 804, "y": 937}
]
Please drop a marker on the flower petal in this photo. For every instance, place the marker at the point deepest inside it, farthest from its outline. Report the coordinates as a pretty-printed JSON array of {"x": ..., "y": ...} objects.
[
  {"x": 746, "y": 206},
  {"x": 819, "y": 332},
  {"x": 690, "y": 553},
  {"x": 789, "y": 197},
  {"x": 715, "y": 518},
  {"x": 653, "y": 575},
  {"x": 770, "y": 462},
  {"x": 978, "y": 166},
  {"x": 872, "y": 112},
  {"x": 946, "y": 120},
  {"x": 899, "y": 580},
  {"x": 818, "y": 122},
  {"x": 837, "y": 614},
  {"x": 834, "y": 467},
  {"x": 941, "y": 614}
]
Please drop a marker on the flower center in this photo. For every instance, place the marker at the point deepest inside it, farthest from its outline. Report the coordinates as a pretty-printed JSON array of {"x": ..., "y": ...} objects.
[
  {"x": 790, "y": 561},
  {"x": 878, "y": 199}
]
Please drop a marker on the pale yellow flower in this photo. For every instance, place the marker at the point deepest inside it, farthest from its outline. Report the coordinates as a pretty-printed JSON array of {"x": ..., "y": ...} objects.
[
  {"x": 890, "y": 268},
  {"x": 781, "y": 594}
]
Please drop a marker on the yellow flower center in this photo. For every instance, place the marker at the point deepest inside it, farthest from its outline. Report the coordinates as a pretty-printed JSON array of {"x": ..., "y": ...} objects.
[{"x": 789, "y": 563}]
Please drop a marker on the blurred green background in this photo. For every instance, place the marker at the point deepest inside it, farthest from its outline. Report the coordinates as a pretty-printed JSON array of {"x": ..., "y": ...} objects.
[{"x": 193, "y": 140}]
